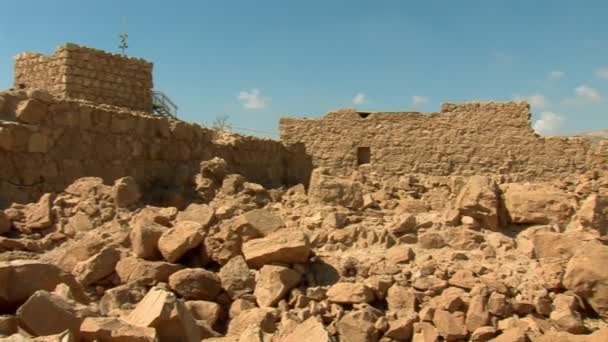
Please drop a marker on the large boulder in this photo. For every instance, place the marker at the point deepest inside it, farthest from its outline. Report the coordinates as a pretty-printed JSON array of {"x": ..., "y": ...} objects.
[
  {"x": 587, "y": 277},
  {"x": 196, "y": 283},
  {"x": 47, "y": 313},
  {"x": 285, "y": 246},
  {"x": 175, "y": 242},
  {"x": 479, "y": 199},
  {"x": 537, "y": 203},
  {"x": 236, "y": 278},
  {"x": 125, "y": 192},
  {"x": 98, "y": 266},
  {"x": 20, "y": 279},
  {"x": 160, "y": 309},
  {"x": 132, "y": 269},
  {"x": 38, "y": 215},
  {"x": 144, "y": 237},
  {"x": 350, "y": 293},
  {"x": 273, "y": 283},
  {"x": 330, "y": 190},
  {"x": 263, "y": 221}
]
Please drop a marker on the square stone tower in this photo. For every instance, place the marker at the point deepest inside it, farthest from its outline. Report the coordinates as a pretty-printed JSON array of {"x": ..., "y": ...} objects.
[{"x": 77, "y": 72}]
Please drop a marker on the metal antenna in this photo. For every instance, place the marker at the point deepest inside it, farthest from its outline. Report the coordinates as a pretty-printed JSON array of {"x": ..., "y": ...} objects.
[{"x": 123, "y": 39}]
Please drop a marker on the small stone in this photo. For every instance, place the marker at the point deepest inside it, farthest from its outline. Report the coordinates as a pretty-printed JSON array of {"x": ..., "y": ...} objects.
[
  {"x": 195, "y": 283},
  {"x": 350, "y": 293}
]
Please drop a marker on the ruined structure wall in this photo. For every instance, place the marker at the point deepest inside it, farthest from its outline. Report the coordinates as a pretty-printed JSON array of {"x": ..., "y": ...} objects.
[
  {"x": 78, "y": 72},
  {"x": 49, "y": 144},
  {"x": 463, "y": 139}
]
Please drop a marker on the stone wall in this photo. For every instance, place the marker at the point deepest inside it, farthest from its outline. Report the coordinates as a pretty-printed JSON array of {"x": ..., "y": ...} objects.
[
  {"x": 46, "y": 143},
  {"x": 78, "y": 72},
  {"x": 463, "y": 139}
]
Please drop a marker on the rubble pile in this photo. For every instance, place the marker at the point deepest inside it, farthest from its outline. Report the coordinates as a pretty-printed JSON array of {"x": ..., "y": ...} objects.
[{"x": 418, "y": 258}]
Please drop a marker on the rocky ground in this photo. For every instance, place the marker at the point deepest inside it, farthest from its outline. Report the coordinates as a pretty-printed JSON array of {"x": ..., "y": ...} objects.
[{"x": 360, "y": 259}]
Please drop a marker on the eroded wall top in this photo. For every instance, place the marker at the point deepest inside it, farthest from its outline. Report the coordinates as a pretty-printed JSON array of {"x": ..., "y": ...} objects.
[
  {"x": 78, "y": 72},
  {"x": 462, "y": 139}
]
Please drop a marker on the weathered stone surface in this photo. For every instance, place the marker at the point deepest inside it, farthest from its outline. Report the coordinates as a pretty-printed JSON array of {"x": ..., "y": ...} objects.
[
  {"x": 125, "y": 192},
  {"x": 586, "y": 276},
  {"x": 31, "y": 111},
  {"x": 450, "y": 325},
  {"x": 120, "y": 298},
  {"x": 484, "y": 334},
  {"x": 479, "y": 200},
  {"x": 133, "y": 269},
  {"x": 311, "y": 330},
  {"x": 38, "y": 216},
  {"x": 176, "y": 241},
  {"x": 537, "y": 204},
  {"x": 8, "y": 325},
  {"x": 555, "y": 245},
  {"x": 114, "y": 329},
  {"x": 425, "y": 332},
  {"x": 160, "y": 309},
  {"x": 402, "y": 329},
  {"x": 273, "y": 283},
  {"x": 324, "y": 189},
  {"x": 400, "y": 254},
  {"x": 282, "y": 246},
  {"x": 258, "y": 317},
  {"x": 59, "y": 314},
  {"x": 350, "y": 293},
  {"x": 478, "y": 314},
  {"x": 98, "y": 266},
  {"x": 236, "y": 278},
  {"x": 5, "y": 223},
  {"x": 22, "y": 278},
  {"x": 593, "y": 213},
  {"x": 401, "y": 298},
  {"x": 199, "y": 213},
  {"x": 205, "y": 311},
  {"x": 195, "y": 283},
  {"x": 431, "y": 240},
  {"x": 566, "y": 316},
  {"x": 352, "y": 328},
  {"x": 263, "y": 221},
  {"x": 144, "y": 238}
]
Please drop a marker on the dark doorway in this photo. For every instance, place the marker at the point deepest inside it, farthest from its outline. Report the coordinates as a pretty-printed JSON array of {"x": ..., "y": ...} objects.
[{"x": 363, "y": 155}]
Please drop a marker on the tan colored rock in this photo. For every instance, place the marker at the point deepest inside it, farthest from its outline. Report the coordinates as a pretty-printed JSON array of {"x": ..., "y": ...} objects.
[
  {"x": 350, "y": 293},
  {"x": 113, "y": 329},
  {"x": 431, "y": 240},
  {"x": 195, "y": 283},
  {"x": 478, "y": 314},
  {"x": 59, "y": 314},
  {"x": 451, "y": 299},
  {"x": 429, "y": 283},
  {"x": 586, "y": 276},
  {"x": 273, "y": 283},
  {"x": 402, "y": 329},
  {"x": 144, "y": 238},
  {"x": 239, "y": 305},
  {"x": 565, "y": 314},
  {"x": 516, "y": 334},
  {"x": 555, "y": 245},
  {"x": 132, "y": 269},
  {"x": 22, "y": 278},
  {"x": 236, "y": 278},
  {"x": 484, "y": 334},
  {"x": 464, "y": 239},
  {"x": 215, "y": 168},
  {"x": 8, "y": 325},
  {"x": 38, "y": 216},
  {"x": 311, "y": 330},
  {"x": 464, "y": 279},
  {"x": 404, "y": 224},
  {"x": 176, "y": 241},
  {"x": 125, "y": 192},
  {"x": 401, "y": 298},
  {"x": 479, "y": 200},
  {"x": 98, "y": 266},
  {"x": 263, "y": 221},
  {"x": 352, "y": 328},
  {"x": 498, "y": 305},
  {"x": 425, "y": 332},
  {"x": 205, "y": 311},
  {"x": 120, "y": 298},
  {"x": 400, "y": 254},
  {"x": 324, "y": 189},
  {"x": 160, "y": 309},
  {"x": 199, "y": 213},
  {"x": 593, "y": 213},
  {"x": 258, "y": 317},
  {"x": 450, "y": 325},
  {"x": 537, "y": 204},
  {"x": 284, "y": 246}
]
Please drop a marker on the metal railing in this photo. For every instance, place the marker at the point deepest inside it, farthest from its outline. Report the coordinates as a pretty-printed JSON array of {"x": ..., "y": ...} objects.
[{"x": 163, "y": 105}]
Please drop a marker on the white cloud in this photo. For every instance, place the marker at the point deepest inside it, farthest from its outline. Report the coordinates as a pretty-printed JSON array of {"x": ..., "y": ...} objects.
[
  {"x": 556, "y": 75},
  {"x": 359, "y": 99},
  {"x": 602, "y": 73},
  {"x": 418, "y": 100},
  {"x": 549, "y": 123},
  {"x": 253, "y": 99},
  {"x": 535, "y": 100},
  {"x": 587, "y": 94}
]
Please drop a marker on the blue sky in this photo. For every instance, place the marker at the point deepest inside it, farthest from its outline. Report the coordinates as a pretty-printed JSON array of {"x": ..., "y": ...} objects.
[{"x": 258, "y": 60}]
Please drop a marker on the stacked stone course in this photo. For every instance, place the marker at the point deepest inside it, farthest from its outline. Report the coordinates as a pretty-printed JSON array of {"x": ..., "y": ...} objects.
[
  {"x": 463, "y": 139},
  {"x": 77, "y": 72}
]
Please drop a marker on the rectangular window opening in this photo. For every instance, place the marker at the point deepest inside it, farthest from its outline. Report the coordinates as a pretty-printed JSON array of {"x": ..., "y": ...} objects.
[{"x": 363, "y": 155}]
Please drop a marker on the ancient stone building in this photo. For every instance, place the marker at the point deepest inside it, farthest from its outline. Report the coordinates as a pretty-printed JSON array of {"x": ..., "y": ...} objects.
[
  {"x": 462, "y": 139},
  {"x": 77, "y": 72}
]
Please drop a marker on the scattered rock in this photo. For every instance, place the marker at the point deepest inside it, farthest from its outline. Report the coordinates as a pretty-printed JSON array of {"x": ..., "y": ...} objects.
[
  {"x": 350, "y": 293},
  {"x": 283, "y": 247},
  {"x": 195, "y": 283},
  {"x": 273, "y": 283},
  {"x": 176, "y": 241}
]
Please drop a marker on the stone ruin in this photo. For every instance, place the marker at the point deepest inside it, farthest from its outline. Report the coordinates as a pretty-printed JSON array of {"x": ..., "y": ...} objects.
[{"x": 118, "y": 225}]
